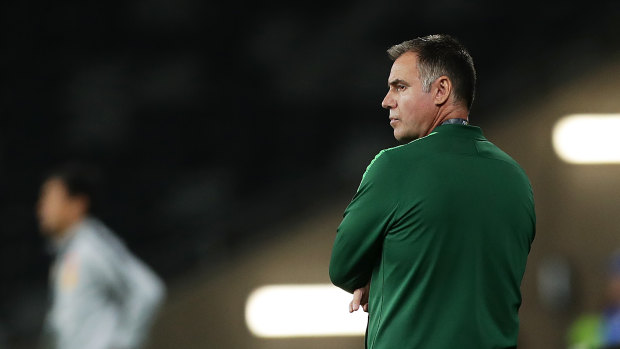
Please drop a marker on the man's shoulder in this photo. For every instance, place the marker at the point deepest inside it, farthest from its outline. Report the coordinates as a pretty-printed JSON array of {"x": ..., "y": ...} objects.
[
  {"x": 411, "y": 149},
  {"x": 439, "y": 151},
  {"x": 389, "y": 163},
  {"x": 94, "y": 241},
  {"x": 392, "y": 156},
  {"x": 489, "y": 150},
  {"x": 384, "y": 156},
  {"x": 417, "y": 146}
]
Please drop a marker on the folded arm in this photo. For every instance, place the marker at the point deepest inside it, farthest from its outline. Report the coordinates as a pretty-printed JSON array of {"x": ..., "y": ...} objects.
[{"x": 367, "y": 219}]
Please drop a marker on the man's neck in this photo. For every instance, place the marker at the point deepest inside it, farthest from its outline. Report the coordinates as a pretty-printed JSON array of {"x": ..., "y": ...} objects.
[
  {"x": 447, "y": 113},
  {"x": 66, "y": 233}
]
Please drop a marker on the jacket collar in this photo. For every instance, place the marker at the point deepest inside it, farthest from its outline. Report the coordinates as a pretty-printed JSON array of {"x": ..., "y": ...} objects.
[{"x": 457, "y": 130}]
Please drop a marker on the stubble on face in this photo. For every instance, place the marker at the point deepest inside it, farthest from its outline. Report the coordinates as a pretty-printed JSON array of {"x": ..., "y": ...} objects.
[{"x": 410, "y": 107}]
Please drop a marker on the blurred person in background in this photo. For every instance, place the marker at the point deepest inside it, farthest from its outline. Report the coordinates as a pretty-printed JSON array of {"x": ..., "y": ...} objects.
[
  {"x": 602, "y": 330},
  {"x": 103, "y": 296},
  {"x": 435, "y": 241}
]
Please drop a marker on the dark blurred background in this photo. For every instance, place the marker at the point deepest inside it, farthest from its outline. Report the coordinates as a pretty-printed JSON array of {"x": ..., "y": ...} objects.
[{"x": 219, "y": 123}]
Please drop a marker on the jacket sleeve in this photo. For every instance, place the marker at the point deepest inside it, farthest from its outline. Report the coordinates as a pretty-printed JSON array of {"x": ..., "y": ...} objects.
[
  {"x": 366, "y": 221},
  {"x": 140, "y": 293}
]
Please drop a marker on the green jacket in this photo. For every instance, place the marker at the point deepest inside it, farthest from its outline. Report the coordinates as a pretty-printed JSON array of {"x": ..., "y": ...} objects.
[{"x": 443, "y": 227}]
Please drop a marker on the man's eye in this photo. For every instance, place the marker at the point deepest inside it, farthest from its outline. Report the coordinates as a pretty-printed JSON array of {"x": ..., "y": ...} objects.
[{"x": 401, "y": 87}]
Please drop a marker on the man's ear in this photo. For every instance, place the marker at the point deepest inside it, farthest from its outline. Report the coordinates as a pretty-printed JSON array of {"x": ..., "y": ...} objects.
[{"x": 442, "y": 88}]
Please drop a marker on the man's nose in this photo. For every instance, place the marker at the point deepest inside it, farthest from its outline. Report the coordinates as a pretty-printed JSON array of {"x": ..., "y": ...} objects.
[{"x": 388, "y": 102}]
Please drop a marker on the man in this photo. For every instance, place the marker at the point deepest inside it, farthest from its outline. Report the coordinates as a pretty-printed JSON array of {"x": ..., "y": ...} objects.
[
  {"x": 435, "y": 241},
  {"x": 103, "y": 297}
]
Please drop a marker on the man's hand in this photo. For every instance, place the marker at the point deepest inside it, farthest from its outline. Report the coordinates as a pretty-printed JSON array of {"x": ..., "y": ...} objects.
[{"x": 360, "y": 297}]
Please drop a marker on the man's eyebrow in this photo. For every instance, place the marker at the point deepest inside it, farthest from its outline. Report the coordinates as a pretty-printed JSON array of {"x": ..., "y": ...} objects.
[{"x": 398, "y": 82}]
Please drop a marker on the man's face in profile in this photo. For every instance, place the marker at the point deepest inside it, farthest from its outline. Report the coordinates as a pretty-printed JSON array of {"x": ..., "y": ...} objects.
[
  {"x": 53, "y": 206},
  {"x": 411, "y": 109}
]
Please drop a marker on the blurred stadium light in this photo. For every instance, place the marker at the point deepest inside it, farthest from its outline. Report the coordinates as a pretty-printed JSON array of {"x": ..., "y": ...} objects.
[
  {"x": 588, "y": 138},
  {"x": 314, "y": 310}
]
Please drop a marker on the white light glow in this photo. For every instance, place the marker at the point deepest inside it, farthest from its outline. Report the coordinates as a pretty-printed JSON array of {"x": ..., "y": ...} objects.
[
  {"x": 588, "y": 138},
  {"x": 302, "y": 311}
]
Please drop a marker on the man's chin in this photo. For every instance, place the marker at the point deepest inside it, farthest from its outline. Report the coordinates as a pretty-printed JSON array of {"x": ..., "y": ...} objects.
[{"x": 403, "y": 139}]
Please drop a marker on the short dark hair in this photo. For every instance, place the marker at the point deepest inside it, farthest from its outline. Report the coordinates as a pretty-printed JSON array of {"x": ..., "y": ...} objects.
[
  {"x": 439, "y": 55},
  {"x": 79, "y": 180}
]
